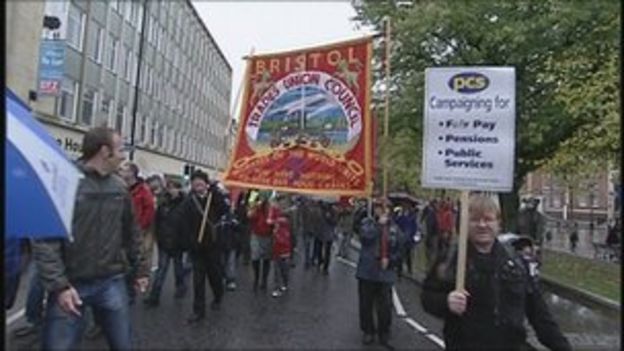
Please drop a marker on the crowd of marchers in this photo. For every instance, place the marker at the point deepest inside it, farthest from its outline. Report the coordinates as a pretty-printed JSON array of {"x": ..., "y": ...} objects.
[{"x": 93, "y": 279}]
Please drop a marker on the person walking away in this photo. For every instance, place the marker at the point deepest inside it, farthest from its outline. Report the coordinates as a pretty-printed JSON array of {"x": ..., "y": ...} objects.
[
  {"x": 204, "y": 251},
  {"x": 144, "y": 207},
  {"x": 574, "y": 237},
  {"x": 312, "y": 218},
  {"x": 243, "y": 221},
  {"x": 375, "y": 277},
  {"x": 168, "y": 242},
  {"x": 500, "y": 292},
  {"x": 430, "y": 224},
  {"x": 279, "y": 219},
  {"x": 228, "y": 233},
  {"x": 34, "y": 304},
  {"x": 345, "y": 227},
  {"x": 444, "y": 217},
  {"x": 407, "y": 222},
  {"x": 89, "y": 270},
  {"x": 260, "y": 241},
  {"x": 324, "y": 240}
]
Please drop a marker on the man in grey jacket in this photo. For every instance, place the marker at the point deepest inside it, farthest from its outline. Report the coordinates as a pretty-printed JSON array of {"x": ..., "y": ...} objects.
[{"x": 89, "y": 269}]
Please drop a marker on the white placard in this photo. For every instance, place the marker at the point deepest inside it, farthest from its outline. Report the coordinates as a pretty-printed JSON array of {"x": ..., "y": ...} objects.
[{"x": 469, "y": 128}]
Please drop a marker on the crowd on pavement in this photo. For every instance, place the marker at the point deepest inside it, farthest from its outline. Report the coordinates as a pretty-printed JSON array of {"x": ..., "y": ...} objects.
[{"x": 207, "y": 232}]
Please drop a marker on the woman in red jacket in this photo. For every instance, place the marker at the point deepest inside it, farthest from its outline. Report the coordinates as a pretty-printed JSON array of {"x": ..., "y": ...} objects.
[{"x": 260, "y": 242}]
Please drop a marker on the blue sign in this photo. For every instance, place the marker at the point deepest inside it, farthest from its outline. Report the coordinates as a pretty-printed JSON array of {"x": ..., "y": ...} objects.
[{"x": 51, "y": 66}]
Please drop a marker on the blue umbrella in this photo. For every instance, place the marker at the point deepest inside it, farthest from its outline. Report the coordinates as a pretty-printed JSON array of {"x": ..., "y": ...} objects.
[{"x": 41, "y": 181}]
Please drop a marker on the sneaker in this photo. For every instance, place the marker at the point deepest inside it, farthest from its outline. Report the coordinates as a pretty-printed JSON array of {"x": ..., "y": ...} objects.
[
  {"x": 27, "y": 330},
  {"x": 231, "y": 286},
  {"x": 180, "y": 293},
  {"x": 195, "y": 318},
  {"x": 276, "y": 293},
  {"x": 283, "y": 288},
  {"x": 93, "y": 332}
]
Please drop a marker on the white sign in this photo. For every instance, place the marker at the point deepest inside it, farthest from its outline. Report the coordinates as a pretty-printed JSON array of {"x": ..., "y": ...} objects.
[{"x": 469, "y": 128}]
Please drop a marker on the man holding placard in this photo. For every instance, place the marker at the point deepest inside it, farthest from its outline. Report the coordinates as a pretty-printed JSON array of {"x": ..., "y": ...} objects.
[{"x": 500, "y": 292}]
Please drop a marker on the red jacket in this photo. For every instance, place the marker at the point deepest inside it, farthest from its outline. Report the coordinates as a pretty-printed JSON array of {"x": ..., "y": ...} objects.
[
  {"x": 258, "y": 223},
  {"x": 281, "y": 233},
  {"x": 143, "y": 204},
  {"x": 445, "y": 219}
]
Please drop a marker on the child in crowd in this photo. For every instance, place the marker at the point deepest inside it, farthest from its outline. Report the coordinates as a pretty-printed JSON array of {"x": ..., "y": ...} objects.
[{"x": 282, "y": 245}]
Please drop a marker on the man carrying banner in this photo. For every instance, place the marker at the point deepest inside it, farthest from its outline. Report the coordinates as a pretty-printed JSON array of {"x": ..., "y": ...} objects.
[
  {"x": 500, "y": 292},
  {"x": 206, "y": 256}
]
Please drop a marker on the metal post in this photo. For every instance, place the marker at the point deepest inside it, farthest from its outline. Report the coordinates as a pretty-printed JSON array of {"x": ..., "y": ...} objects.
[{"x": 135, "y": 106}]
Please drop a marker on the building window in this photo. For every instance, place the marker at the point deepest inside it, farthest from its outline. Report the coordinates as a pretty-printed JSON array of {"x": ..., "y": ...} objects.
[
  {"x": 111, "y": 60},
  {"x": 154, "y": 126},
  {"x": 120, "y": 118},
  {"x": 89, "y": 99},
  {"x": 75, "y": 27},
  {"x": 96, "y": 47},
  {"x": 114, "y": 4},
  {"x": 105, "y": 105},
  {"x": 67, "y": 103},
  {"x": 126, "y": 68}
]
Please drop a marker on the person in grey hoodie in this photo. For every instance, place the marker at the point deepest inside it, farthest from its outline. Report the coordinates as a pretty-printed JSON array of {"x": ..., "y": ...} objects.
[{"x": 89, "y": 269}]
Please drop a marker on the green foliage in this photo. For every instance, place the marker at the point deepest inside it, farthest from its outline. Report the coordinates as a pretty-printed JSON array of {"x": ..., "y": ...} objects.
[{"x": 566, "y": 59}]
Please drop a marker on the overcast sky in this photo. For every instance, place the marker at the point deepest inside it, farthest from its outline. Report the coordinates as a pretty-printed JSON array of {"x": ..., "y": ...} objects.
[{"x": 270, "y": 26}]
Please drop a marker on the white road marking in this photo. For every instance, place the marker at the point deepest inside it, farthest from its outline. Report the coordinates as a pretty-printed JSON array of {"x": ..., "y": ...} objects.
[
  {"x": 401, "y": 312},
  {"x": 436, "y": 340},
  {"x": 19, "y": 314},
  {"x": 416, "y": 326},
  {"x": 398, "y": 306}
]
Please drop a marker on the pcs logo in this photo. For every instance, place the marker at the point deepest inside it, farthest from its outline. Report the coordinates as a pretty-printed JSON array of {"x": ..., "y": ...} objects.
[{"x": 468, "y": 82}]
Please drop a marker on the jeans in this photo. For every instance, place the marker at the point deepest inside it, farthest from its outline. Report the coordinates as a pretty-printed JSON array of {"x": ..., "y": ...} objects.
[
  {"x": 34, "y": 300},
  {"x": 164, "y": 257},
  {"x": 229, "y": 264},
  {"x": 322, "y": 252},
  {"x": 280, "y": 274},
  {"x": 108, "y": 298}
]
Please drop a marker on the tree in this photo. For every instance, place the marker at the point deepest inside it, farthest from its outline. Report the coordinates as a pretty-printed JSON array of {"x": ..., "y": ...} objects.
[{"x": 564, "y": 53}]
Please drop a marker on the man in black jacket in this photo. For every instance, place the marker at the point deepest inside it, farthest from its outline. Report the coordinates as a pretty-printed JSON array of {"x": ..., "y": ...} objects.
[
  {"x": 168, "y": 240},
  {"x": 204, "y": 249},
  {"x": 89, "y": 269},
  {"x": 500, "y": 292}
]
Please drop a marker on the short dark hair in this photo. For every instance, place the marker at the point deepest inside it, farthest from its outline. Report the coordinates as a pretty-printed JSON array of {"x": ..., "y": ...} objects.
[
  {"x": 201, "y": 175},
  {"x": 174, "y": 183},
  {"x": 94, "y": 139},
  {"x": 133, "y": 168}
]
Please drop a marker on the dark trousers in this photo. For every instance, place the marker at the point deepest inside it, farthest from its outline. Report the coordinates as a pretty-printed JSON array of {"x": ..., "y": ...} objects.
[
  {"x": 206, "y": 264},
  {"x": 322, "y": 253},
  {"x": 375, "y": 297}
]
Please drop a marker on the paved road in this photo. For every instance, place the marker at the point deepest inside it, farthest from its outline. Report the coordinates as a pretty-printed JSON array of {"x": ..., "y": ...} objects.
[{"x": 319, "y": 312}]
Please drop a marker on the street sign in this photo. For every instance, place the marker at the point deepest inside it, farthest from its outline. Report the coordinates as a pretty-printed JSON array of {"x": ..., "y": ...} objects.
[
  {"x": 51, "y": 66},
  {"x": 469, "y": 128}
]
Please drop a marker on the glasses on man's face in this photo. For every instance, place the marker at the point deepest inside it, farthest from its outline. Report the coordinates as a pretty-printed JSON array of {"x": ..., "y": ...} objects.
[{"x": 482, "y": 220}]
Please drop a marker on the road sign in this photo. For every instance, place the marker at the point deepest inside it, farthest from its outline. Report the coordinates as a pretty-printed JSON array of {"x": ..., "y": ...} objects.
[{"x": 469, "y": 139}]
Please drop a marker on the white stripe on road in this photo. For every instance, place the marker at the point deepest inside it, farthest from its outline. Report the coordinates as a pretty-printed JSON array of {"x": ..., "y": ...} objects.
[
  {"x": 436, "y": 340},
  {"x": 416, "y": 326},
  {"x": 398, "y": 306},
  {"x": 347, "y": 262},
  {"x": 12, "y": 319},
  {"x": 19, "y": 314}
]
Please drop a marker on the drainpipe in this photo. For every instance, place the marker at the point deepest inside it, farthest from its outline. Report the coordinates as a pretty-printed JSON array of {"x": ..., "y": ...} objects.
[{"x": 135, "y": 106}]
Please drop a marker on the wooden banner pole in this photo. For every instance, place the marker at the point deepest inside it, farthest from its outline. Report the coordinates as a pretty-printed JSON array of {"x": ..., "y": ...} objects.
[
  {"x": 200, "y": 236},
  {"x": 463, "y": 241}
]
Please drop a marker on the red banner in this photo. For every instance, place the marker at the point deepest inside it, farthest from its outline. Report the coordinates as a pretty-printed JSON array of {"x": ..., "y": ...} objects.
[{"x": 305, "y": 123}]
